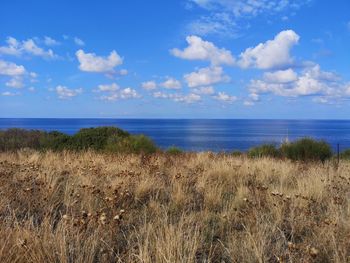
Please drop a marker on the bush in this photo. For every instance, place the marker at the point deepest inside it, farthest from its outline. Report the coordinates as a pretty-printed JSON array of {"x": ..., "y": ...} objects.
[
  {"x": 100, "y": 139},
  {"x": 55, "y": 141},
  {"x": 13, "y": 139},
  {"x": 236, "y": 153},
  {"x": 265, "y": 150},
  {"x": 95, "y": 138},
  {"x": 307, "y": 149},
  {"x": 174, "y": 150},
  {"x": 345, "y": 154},
  {"x": 131, "y": 144}
]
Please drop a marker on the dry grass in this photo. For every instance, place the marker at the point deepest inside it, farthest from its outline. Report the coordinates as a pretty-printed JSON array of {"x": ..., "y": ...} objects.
[{"x": 89, "y": 207}]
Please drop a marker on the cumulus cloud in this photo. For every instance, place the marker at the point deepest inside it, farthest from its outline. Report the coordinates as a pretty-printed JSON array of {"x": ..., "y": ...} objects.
[
  {"x": 198, "y": 49},
  {"x": 50, "y": 41},
  {"x": 127, "y": 93},
  {"x": 171, "y": 83},
  {"x": 206, "y": 77},
  {"x": 223, "y": 96},
  {"x": 123, "y": 72},
  {"x": 108, "y": 87},
  {"x": 189, "y": 98},
  {"x": 271, "y": 54},
  {"x": 90, "y": 62},
  {"x": 78, "y": 41},
  {"x": 281, "y": 76},
  {"x": 149, "y": 85},
  {"x": 204, "y": 90},
  {"x": 312, "y": 81},
  {"x": 15, "y": 82},
  {"x": 11, "y": 69},
  {"x": 9, "y": 94},
  {"x": 18, "y": 48},
  {"x": 66, "y": 93}
]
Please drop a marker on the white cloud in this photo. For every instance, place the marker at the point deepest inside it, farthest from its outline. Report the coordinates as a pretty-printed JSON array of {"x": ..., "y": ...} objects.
[
  {"x": 30, "y": 47},
  {"x": 66, "y": 93},
  {"x": 50, "y": 41},
  {"x": 250, "y": 8},
  {"x": 311, "y": 81},
  {"x": 13, "y": 47},
  {"x": 228, "y": 17},
  {"x": 248, "y": 103},
  {"x": 115, "y": 93},
  {"x": 222, "y": 96},
  {"x": 90, "y": 62},
  {"x": 189, "y": 98},
  {"x": 204, "y": 90},
  {"x": 78, "y": 41},
  {"x": 281, "y": 76},
  {"x": 205, "y": 77},
  {"x": 11, "y": 69},
  {"x": 149, "y": 85},
  {"x": 171, "y": 83},
  {"x": 17, "y": 48},
  {"x": 8, "y": 93},
  {"x": 218, "y": 23},
  {"x": 199, "y": 49},
  {"x": 15, "y": 82},
  {"x": 123, "y": 72},
  {"x": 108, "y": 87},
  {"x": 271, "y": 54},
  {"x": 129, "y": 93}
]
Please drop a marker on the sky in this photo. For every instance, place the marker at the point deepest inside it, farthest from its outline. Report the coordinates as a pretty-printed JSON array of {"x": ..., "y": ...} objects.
[{"x": 246, "y": 59}]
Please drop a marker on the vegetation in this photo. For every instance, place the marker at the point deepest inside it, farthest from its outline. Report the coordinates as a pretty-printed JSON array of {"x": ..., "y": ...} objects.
[
  {"x": 99, "y": 139},
  {"x": 174, "y": 150},
  {"x": 307, "y": 149},
  {"x": 265, "y": 150},
  {"x": 345, "y": 154},
  {"x": 236, "y": 153},
  {"x": 91, "y": 206},
  {"x": 112, "y": 139}
]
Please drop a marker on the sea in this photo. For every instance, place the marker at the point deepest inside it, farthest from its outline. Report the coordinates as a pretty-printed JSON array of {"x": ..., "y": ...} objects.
[{"x": 204, "y": 134}]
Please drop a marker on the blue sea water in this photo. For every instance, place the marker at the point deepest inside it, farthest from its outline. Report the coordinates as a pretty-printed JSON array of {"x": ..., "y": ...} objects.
[{"x": 201, "y": 135}]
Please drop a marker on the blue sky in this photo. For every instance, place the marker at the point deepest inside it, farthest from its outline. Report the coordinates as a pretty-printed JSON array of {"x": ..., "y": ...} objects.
[{"x": 175, "y": 59}]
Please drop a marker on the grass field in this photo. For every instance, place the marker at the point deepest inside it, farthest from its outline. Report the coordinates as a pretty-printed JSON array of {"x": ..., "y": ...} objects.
[{"x": 94, "y": 207}]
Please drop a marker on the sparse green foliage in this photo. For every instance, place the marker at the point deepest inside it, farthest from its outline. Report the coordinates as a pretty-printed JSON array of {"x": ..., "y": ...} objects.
[
  {"x": 236, "y": 153},
  {"x": 307, "y": 149},
  {"x": 100, "y": 139},
  {"x": 345, "y": 154},
  {"x": 265, "y": 150},
  {"x": 174, "y": 150}
]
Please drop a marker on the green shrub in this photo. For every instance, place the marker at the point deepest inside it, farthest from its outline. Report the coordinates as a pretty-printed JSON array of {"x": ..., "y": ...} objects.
[
  {"x": 174, "y": 150},
  {"x": 307, "y": 149},
  {"x": 100, "y": 139},
  {"x": 345, "y": 154},
  {"x": 131, "y": 144},
  {"x": 13, "y": 139},
  {"x": 55, "y": 141},
  {"x": 94, "y": 138},
  {"x": 265, "y": 150},
  {"x": 236, "y": 153}
]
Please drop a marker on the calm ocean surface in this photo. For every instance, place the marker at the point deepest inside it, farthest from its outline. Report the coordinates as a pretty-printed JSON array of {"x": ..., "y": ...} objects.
[{"x": 199, "y": 135}]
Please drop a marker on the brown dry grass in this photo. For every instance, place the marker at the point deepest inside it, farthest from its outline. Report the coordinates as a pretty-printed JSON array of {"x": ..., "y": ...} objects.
[{"x": 89, "y": 207}]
